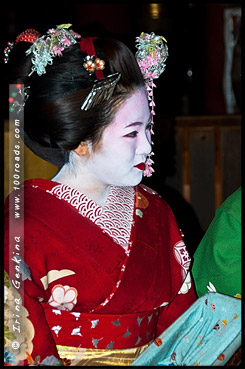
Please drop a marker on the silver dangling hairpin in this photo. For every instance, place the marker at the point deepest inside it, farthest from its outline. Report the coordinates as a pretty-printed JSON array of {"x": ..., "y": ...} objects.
[{"x": 102, "y": 90}]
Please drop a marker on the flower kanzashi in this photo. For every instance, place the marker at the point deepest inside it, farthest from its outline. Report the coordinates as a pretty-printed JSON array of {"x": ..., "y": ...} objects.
[
  {"x": 151, "y": 55},
  {"x": 48, "y": 46},
  {"x": 148, "y": 166},
  {"x": 63, "y": 297},
  {"x": 91, "y": 64}
]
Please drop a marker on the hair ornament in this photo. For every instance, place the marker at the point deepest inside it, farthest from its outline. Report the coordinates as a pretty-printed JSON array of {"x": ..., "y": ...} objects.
[
  {"x": 151, "y": 56},
  {"x": 103, "y": 87},
  {"x": 102, "y": 90},
  {"x": 7, "y": 50},
  {"x": 29, "y": 35},
  {"x": 91, "y": 64},
  {"x": 45, "y": 48}
]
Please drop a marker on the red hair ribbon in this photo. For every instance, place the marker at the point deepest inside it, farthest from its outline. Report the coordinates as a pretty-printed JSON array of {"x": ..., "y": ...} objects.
[
  {"x": 87, "y": 46},
  {"x": 29, "y": 35}
]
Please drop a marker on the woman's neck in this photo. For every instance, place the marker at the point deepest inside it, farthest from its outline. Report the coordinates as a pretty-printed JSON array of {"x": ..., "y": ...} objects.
[{"x": 83, "y": 182}]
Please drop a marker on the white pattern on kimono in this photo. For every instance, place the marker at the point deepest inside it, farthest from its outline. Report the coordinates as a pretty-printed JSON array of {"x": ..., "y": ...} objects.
[
  {"x": 76, "y": 331},
  {"x": 115, "y": 218},
  {"x": 182, "y": 256},
  {"x": 56, "y": 329}
]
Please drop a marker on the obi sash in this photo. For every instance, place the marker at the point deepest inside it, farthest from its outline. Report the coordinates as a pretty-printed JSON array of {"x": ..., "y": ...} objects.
[{"x": 101, "y": 331}]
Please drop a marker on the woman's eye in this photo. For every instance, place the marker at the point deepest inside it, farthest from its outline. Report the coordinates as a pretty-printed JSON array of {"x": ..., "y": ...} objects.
[
  {"x": 149, "y": 126},
  {"x": 132, "y": 134}
]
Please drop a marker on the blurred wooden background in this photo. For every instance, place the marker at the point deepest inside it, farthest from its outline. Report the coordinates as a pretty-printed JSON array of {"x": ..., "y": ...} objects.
[{"x": 208, "y": 161}]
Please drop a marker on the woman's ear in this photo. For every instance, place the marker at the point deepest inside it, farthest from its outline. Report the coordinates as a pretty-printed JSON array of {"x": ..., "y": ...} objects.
[{"x": 82, "y": 149}]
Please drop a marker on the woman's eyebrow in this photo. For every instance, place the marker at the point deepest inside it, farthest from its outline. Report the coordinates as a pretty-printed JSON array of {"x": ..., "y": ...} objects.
[
  {"x": 133, "y": 124},
  {"x": 137, "y": 123}
]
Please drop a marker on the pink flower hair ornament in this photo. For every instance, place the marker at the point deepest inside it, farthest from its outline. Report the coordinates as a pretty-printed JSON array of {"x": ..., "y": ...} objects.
[
  {"x": 48, "y": 46},
  {"x": 151, "y": 56}
]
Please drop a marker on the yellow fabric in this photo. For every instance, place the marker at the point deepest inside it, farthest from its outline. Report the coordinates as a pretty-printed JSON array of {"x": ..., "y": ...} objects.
[{"x": 77, "y": 356}]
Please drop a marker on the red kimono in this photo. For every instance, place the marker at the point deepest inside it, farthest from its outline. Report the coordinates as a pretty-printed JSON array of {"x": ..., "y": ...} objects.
[{"x": 99, "y": 278}]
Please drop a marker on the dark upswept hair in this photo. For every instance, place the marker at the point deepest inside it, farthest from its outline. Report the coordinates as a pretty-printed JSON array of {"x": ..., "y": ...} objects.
[{"x": 54, "y": 123}]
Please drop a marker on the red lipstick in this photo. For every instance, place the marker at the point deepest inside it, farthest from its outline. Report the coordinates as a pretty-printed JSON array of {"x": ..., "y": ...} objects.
[{"x": 140, "y": 166}]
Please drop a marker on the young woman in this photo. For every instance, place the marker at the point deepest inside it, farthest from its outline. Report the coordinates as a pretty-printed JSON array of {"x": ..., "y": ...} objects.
[
  {"x": 105, "y": 256},
  {"x": 104, "y": 268}
]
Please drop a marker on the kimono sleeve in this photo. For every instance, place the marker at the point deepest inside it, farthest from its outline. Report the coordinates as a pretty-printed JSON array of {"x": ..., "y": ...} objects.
[
  {"x": 182, "y": 294},
  {"x": 27, "y": 336},
  {"x": 217, "y": 260}
]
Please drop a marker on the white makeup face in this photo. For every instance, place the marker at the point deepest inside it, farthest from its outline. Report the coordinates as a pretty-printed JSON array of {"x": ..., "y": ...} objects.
[{"x": 125, "y": 143}]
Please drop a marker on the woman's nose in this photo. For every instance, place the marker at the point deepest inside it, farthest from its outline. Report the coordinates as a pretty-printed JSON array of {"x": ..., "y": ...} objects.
[{"x": 144, "y": 144}]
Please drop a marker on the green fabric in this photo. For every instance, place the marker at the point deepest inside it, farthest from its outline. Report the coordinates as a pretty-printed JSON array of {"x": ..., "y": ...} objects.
[{"x": 218, "y": 256}]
